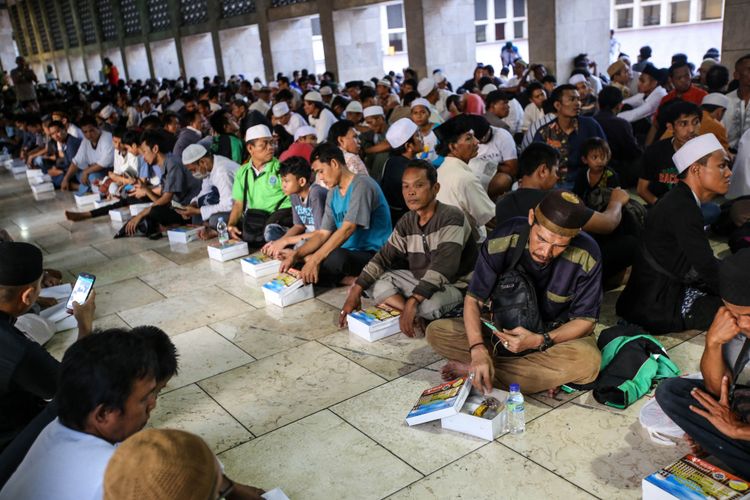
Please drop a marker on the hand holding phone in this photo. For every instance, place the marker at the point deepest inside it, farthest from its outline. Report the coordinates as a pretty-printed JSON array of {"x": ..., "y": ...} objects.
[{"x": 81, "y": 290}]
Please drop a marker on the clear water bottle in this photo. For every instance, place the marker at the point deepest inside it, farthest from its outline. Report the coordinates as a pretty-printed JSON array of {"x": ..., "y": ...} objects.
[
  {"x": 221, "y": 227},
  {"x": 516, "y": 410}
]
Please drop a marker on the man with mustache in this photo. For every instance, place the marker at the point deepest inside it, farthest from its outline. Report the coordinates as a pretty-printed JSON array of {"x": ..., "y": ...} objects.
[
  {"x": 674, "y": 285},
  {"x": 564, "y": 266}
]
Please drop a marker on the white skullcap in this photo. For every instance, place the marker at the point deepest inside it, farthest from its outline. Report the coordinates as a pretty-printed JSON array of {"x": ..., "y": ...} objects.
[
  {"x": 353, "y": 107},
  {"x": 257, "y": 86},
  {"x": 280, "y": 109},
  {"x": 425, "y": 86},
  {"x": 303, "y": 131},
  {"x": 313, "y": 96},
  {"x": 107, "y": 111},
  {"x": 716, "y": 99},
  {"x": 193, "y": 153},
  {"x": 400, "y": 132},
  {"x": 439, "y": 77},
  {"x": 95, "y": 105},
  {"x": 576, "y": 79},
  {"x": 373, "y": 111},
  {"x": 273, "y": 85},
  {"x": 143, "y": 100},
  {"x": 326, "y": 90},
  {"x": 420, "y": 101},
  {"x": 162, "y": 93},
  {"x": 239, "y": 97},
  {"x": 368, "y": 83},
  {"x": 695, "y": 149},
  {"x": 384, "y": 83},
  {"x": 490, "y": 87},
  {"x": 257, "y": 132}
]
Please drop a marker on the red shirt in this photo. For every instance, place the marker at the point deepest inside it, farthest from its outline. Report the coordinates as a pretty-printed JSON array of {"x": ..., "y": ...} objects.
[{"x": 693, "y": 94}]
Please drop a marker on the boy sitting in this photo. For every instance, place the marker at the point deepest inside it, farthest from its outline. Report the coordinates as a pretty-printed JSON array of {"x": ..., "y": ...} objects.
[{"x": 308, "y": 206}]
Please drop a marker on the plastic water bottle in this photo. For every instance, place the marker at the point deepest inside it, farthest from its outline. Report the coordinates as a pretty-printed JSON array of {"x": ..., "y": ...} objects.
[
  {"x": 516, "y": 410},
  {"x": 221, "y": 227}
]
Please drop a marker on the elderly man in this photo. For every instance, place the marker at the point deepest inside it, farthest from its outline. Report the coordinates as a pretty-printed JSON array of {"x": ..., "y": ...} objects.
[
  {"x": 619, "y": 75},
  {"x": 215, "y": 198},
  {"x": 94, "y": 158},
  {"x": 674, "y": 282},
  {"x": 713, "y": 412},
  {"x": 564, "y": 265},
  {"x": 30, "y": 374}
]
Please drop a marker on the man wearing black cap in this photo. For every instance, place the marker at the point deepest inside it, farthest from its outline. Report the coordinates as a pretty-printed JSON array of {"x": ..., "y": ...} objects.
[
  {"x": 714, "y": 411},
  {"x": 28, "y": 374},
  {"x": 564, "y": 265}
]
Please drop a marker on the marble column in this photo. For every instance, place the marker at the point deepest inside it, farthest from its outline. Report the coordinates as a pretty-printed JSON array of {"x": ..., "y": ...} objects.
[
  {"x": 735, "y": 40},
  {"x": 291, "y": 45},
  {"x": 359, "y": 48}
]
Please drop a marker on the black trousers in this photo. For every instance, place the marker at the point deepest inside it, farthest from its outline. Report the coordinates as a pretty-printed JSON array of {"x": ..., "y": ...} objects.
[
  {"x": 123, "y": 202},
  {"x": 165, "y": 215},
  {"x": 618, "y": 252},
  {"x": 702, "y": 312},
  {"x": 341, "y": 263},
  {"x": 674, "y": 398},
  {"x": 15, "y": 452}
]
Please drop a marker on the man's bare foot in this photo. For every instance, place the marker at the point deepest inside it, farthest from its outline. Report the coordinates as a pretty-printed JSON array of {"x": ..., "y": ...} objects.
[
  {"x": 77, "y": 216},
  {"x": 455, "y": 369},
  {"x": 695, "y": 448},
  {"x": 551, "y": 393}
]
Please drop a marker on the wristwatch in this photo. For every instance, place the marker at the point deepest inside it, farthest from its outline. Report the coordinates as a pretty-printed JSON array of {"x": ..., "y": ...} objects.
[{"x": 546, "y": 343}]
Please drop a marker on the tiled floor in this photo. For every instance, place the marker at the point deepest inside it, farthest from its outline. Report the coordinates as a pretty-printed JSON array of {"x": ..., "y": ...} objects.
[{"x": 287, "y": 399}]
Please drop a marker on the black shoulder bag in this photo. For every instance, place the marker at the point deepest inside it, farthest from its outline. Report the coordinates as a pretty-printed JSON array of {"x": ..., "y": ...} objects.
[
  {"x": 254, "y": 220},
  {"x": 514, "y": 301}
]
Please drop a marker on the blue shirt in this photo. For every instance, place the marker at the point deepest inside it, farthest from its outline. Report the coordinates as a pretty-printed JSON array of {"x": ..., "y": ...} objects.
[{"x": 364, "y": 205}]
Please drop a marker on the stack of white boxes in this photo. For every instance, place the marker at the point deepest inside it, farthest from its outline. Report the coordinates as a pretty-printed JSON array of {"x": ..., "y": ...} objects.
[{"x": 40, "y": 184}]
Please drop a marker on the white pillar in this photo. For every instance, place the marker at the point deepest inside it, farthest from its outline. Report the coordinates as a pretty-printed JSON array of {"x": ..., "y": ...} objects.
[
  {"x": 291, "y": 45},
  {"x": 240, "y": 52},
  {"x": 63, "y": 71},
  {"x": 137, "y": 62},
  {"x": 198, "y": 54},
  {"x": 164, "y": 55},
  {"x": 7, "y": 47},
  {"x": 94, "y": 65},
  {"x": 359, "y": 48},
  {"x": 579, "y": 28},
  {"x": 79, "y": 71},
  {"x": 450, "y": 37}
]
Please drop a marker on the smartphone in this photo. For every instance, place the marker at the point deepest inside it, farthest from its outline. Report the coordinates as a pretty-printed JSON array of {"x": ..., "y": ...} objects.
[{"x": 81, "y": 290}]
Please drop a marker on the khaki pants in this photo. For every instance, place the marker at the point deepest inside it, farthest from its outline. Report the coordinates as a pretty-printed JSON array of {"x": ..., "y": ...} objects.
[{"x": 576, "y": 361}]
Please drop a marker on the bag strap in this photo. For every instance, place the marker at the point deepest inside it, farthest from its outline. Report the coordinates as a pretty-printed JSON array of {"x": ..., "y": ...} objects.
[
  {"x": 281, "y": 202},
  {"x": 523, "y": 238},
  {"x": 655, "y": 265},
  {"x": 244, "y": 191},
  {"x": 737, "y": 368}
]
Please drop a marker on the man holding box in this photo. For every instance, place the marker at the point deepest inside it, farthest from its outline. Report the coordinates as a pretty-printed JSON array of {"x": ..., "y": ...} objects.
[{"x": 437, "y": 243}]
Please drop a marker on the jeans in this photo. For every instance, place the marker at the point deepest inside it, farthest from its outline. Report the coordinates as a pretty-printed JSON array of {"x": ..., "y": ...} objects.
[
  {"x": 673, "y": 395},
  {"x": 273, "y": 232},
  {"x": 93, "y": 176}
]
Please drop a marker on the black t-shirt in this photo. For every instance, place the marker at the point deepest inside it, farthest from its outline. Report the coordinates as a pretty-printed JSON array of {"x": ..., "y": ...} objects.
[
  {"x": 518, "y": 203},
  {"x": 658, "y": 167},
  {"x": 583, "y": 187},
  {"x": 391, "y": 183}
]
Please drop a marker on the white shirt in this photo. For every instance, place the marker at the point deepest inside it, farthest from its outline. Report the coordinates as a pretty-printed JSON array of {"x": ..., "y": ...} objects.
[
  {"x": 261, "y": 106},
  {"x": 75, "y": 131},
  {"x": 295, "y": 121},
  {"x": 323, "y": 123},
  {"x": 501, "y": 148},
  {"x": 429, "y": 142},
  {"x": 740, "y": 183},
  {"x": 103, "y": 155},
  {"x": 736, "y": 118},
  {"x": 643, "y": 107},
  {"x": 461, "y": 188},
  {"x": 222, "y": 178},
  {"x": 515, "y": 116},
  {"x": 125, "y": 162},
  {"x": 63, "y": 464},
  {"x": 531, "y": 114}
]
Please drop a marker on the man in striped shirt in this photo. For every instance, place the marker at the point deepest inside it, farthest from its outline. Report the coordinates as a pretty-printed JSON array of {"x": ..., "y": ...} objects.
[{"x": 435, "y": 242}]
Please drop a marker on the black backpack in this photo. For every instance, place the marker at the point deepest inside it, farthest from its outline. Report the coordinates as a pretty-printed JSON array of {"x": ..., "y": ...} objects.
[{"x": 514, "y": 300}]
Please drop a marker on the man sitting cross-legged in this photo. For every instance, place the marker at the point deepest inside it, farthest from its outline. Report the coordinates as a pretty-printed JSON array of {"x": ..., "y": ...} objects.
[
  {"x": 564, "y": 265},
  {"x": 435, "y": 240}
]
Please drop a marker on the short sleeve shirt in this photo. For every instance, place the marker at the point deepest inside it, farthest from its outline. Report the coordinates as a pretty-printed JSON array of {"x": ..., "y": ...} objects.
[
  {"x": 363, "y": 204},
  {"x": 179, "y": 181},
  {"x": 658, "y": 167},
  {"x": 263, "y": 190},
  {"x": 570, "y": 287},
  {"x": 310, "y": 213}
]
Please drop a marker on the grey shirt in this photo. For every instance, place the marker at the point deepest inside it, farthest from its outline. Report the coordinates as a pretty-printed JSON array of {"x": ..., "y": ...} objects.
[
  {"x": 310, "y": 213},
  {"x": 179, "y": 181}
]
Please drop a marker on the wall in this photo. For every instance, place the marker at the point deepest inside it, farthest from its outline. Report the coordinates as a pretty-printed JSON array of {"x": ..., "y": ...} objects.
[
  {"x": 291, "y": 45},
  {"x": 581, "y": 28},
  {"x": 691, "y": 39},
  {"x": 62, "y": 69},
  {"x": 449, "y": 36},
  {"x": 164, "y": 56},
  {"x": 94, "y": 66},
  {"x": 198, "y": 54},
  {"x": 240, "y": 52},
  {"x": 736, "y": 41},
  {"x": 77, "y": 67},
  {"x": 7, "y": 45},
  {"x": 137, "y": 62}
]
